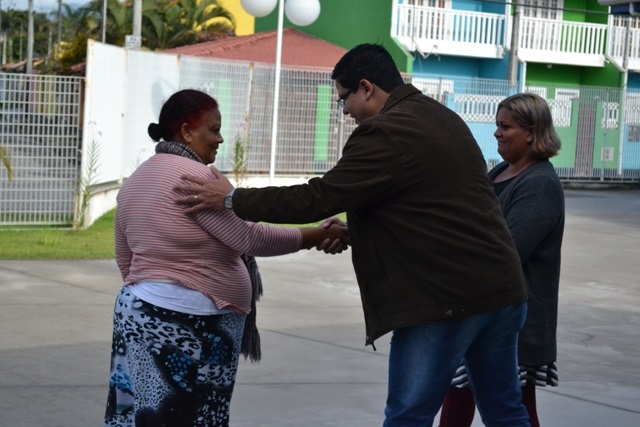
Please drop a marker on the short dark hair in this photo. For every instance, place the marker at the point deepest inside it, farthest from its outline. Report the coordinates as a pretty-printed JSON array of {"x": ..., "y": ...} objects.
[
  {"x": 185, "y": 106},
  {"x": 531, "y": 111},
  {"x": 370, "y": 62}
]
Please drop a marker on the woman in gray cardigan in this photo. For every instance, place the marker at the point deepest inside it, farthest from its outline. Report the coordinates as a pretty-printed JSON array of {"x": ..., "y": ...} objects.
[{"x": 532, "y": 202}]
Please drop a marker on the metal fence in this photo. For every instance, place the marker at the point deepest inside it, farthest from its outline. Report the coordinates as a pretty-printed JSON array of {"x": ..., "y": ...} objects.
[
  {"x": 45, "y": 118},
  {"x": 600, "y": 140},
  {"x": 310, "y": 131},
  {"x": 40, "y": 132}
]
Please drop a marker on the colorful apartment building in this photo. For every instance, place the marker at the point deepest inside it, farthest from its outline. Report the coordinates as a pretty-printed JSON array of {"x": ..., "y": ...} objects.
[{"x": 461, "y": 52}]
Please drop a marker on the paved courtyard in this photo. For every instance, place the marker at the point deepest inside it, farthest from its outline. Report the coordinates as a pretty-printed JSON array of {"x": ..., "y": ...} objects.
[{"x": 316, "y": 371}]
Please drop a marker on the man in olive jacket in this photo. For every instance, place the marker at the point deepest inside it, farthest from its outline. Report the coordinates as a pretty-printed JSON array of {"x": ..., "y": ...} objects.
[{"x": 432, "y": 253}]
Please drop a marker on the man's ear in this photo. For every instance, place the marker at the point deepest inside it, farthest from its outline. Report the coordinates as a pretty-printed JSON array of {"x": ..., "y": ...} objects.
[{"x": 367, "y": 87}]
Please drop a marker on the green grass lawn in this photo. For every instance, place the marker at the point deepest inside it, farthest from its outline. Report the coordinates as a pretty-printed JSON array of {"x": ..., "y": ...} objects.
[{"x": 96, "y": 242}]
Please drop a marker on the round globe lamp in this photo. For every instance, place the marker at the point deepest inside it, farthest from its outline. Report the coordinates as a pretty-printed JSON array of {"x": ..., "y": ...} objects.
[
  {"x": 259, "y": 8},
  {"x": 302, "y": 12}
]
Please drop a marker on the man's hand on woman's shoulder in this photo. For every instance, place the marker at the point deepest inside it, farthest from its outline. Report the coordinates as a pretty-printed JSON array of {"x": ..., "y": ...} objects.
[{"x": 204, "y": 194}]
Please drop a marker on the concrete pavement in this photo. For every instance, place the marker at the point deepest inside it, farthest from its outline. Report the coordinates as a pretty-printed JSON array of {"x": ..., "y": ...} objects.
[{"x": 316, "y": 371}]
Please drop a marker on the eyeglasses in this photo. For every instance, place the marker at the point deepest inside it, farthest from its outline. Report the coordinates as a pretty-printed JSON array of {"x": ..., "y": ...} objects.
[{"x": 343, "y": 98}]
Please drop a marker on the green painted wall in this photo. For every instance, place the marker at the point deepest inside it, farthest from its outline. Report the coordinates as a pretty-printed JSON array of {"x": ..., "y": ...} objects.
[
  {"x": 609, "y": 75},
  {"x": 566, "y": 157},
  {"x": 585, "y": 11},
  {"x": 604, "y": 138},
  {"x": 601, "y": 138},
  {"x": 348, "y": 23},
  {"x": 589, "y": 132},
  {"x": 323, "y": 116},
  {"x": 557, "y": 74}
]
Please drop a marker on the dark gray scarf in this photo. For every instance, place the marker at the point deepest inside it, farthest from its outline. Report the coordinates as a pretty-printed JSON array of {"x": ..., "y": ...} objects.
[{"x": 250, "y": 337}]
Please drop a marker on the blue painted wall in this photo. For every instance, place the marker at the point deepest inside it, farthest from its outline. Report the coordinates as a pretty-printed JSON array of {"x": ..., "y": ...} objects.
[
  {"x": 446, "y": 66},
  {"x": 483, "y": 132},
  {"x": 630, "y": 152},
  {"x": 472, "y": 6},
  {"x": 457, "y": 66},
  {"x": 495, "y": 68}
]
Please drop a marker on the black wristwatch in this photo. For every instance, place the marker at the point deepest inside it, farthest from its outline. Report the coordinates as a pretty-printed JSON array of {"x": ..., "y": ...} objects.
[{"x": 228, "y": 201}]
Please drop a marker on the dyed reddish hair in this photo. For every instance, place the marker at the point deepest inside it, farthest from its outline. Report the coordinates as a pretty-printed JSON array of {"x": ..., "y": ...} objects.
[{"x": 185, "y": 106}]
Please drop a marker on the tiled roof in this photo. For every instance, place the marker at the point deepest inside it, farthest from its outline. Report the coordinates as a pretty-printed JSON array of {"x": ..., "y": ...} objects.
[{"x": 298, "y": 48}]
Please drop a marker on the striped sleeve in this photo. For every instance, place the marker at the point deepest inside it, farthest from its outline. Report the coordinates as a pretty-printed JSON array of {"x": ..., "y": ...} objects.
[
  {"x": 250, "y": 238},
  {"x": 123, "y": 252}
]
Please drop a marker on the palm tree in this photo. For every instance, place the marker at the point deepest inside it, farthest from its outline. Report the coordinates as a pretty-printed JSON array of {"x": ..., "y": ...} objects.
[
  {"x": 180, "y": 22},
  {"x": 119, "y": 21},
  {"x": 14, "y": 26},
  {"x": 165, "y": 24},
  {"x": 80, "y": 19},
  {"x": 208, "y": 17},
  {"x": 161, "y": 25},
  {"x": 85, "y": 23}
]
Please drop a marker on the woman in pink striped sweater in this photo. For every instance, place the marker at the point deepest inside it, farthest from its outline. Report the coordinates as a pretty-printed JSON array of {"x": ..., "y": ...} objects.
[{"x": 180, "y": 316}]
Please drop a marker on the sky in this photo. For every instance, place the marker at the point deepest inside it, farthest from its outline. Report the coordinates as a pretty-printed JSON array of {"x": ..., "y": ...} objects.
[{"x": 38, "y": 5}]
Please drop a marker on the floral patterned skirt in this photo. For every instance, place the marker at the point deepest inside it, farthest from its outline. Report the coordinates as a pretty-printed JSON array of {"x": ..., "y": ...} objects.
[{"x": 170, "y": 368}]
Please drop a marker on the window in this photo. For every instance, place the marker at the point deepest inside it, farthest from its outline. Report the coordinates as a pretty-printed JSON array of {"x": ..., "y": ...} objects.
[
  {"x": 610, "y": 115},
  {"x": 431, "y": 3},
  {"x": 538, "y": 90},
  {"x": 544, "y": 9},
  {"x": 561, "y": 106},
  {"x": 634, "y": 133},
  {"x": 632, "y": 110}
]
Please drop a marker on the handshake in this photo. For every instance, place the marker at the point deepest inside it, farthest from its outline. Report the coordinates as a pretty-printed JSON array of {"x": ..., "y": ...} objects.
[{"x": 332, "y": 237}]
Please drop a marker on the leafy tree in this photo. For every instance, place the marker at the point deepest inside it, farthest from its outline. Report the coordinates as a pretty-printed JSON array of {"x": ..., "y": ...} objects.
[
  {"x": 173, "y": 23},
  {"x": 207, "y": 17},
  {"x": 86, "y": 23},
  {"x": 119, "y": 21},
  {"x": 162, "y": 27},
  {"x": 15, "y": 28},
  {"x": 165, "y": 24}
]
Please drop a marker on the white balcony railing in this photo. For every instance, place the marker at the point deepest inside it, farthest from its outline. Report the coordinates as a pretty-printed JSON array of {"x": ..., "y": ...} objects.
[
  {"x": 562, "y": 42},
  {"x": 450, "y": 32},
  {"x": 616, "y": 42},
  {"x": 433, "y": 30}
]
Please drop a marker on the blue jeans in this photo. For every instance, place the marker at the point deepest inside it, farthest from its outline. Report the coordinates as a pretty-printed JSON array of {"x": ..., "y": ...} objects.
[{"x": 423, "y": 360}]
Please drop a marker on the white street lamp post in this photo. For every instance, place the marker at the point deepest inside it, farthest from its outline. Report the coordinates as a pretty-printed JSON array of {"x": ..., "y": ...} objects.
[
  {"x": 301, "y": 13},
  {"x": 276, "y": 95},
  {"x": 134, "y": 41},
  {"x": 30, "y": 37}
]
